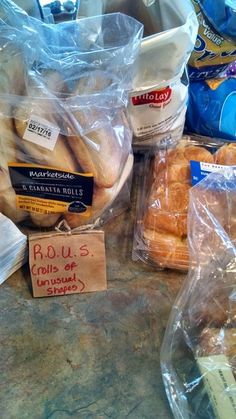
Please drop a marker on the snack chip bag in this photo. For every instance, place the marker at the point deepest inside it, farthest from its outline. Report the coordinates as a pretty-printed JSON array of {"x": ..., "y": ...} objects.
[{"x": 215, "y": 47}]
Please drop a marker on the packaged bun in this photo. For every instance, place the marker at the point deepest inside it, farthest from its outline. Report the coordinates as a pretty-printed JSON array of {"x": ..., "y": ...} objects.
[{"x": 161, "y": 233}]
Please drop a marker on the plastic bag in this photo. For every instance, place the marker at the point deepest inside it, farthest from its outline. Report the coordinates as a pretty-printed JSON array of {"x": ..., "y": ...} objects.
[
  {"x": 65, "y": 136},
  {"x": 160, "y": 236},
  {"x": 158, "y": 98},
  {"x": 13, "y": 249},
  {"x": 198, "y": 351},
  {"x": 212, "y": 108},
  {"x": 215, "y": 47}
]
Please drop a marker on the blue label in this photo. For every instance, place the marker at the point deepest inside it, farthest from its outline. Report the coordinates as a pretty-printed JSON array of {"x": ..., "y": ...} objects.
[
  {"x": 199, "y": 170},
  {"x": 197, "y": 174}
]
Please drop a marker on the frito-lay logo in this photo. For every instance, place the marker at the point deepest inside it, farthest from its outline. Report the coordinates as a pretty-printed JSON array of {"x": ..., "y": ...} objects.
[{"x": 155, "y": 97}]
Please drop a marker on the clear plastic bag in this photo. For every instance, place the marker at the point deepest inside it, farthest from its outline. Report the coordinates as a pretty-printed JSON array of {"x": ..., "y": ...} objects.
[
  {"x": 65, "y": 136},
  {"x": 160, "y": 236},
  {"x": 158, "y": 99},
  {"x": 199, "y": 348}
]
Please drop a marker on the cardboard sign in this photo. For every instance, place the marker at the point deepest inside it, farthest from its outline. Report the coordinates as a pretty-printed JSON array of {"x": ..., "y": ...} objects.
[{"x": 62, "y": 263}]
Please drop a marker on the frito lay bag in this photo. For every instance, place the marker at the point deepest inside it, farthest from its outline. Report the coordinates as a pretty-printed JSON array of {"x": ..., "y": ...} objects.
[{"x": 215, "y": 47}]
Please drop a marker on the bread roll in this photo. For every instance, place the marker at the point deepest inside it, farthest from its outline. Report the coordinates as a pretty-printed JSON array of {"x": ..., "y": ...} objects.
[
  {"x": 44, "y": 220},
  {"x": 8, "y": 146},
  {"x": 12, "y": 63},
  {"x": 173, "y": 197},
  {"x": 226, "y": 155},
  {"x": 183, "y": 153},
  {"x": 166, "y": 222},
  {"x": 176, "y": 162},
  {"x": 102, "y": 198},
  {"x": 198, "y": 154},
  {"x": 101, "y": 142},
  {"x": 61, "y": 157},
  {"x": 98, "y": 153},
  {"x": 92, "y": 83},
  {"x": 168, "y": 206},
  {"x": 167, "y": 250},
  {"x": 46, "y": 84}
]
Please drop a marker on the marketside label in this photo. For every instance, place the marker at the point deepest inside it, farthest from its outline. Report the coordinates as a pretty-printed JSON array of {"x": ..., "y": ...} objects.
[
  {"x": 47, "y": 190},
  {"x": 62, "y": 263}
]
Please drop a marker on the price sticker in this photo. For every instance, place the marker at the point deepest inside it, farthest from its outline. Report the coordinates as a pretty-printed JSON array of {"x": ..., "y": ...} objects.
[{"x": 41, "y": 132}]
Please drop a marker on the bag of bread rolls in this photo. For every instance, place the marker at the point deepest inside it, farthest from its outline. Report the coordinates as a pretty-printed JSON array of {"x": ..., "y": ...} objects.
[
  {"x": 66, "y": 131},
  {"x": 199, "y": 348},
  {"x": 161, "y": 229}
]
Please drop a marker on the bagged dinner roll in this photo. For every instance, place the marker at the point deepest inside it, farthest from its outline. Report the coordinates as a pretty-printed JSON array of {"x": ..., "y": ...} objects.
[
  {"x": 162, "y": 215},
  {"x": 71, "y": 144}
]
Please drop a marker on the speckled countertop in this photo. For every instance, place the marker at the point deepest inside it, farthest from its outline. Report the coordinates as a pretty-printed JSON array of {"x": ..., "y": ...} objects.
[{"x": 90, "y": 355}]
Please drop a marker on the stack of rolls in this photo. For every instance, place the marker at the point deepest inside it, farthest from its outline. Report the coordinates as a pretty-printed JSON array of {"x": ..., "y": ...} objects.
[
  {"x": 164, "y": 220},
  {"x": 90, "y": 141}
]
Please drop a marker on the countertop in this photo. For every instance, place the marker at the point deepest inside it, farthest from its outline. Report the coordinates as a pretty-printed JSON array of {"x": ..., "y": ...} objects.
[{"x": 90, "y": 355}]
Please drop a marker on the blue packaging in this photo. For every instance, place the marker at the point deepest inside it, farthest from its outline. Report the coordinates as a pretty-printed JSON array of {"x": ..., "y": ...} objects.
[{"x": 212, "y": 108}]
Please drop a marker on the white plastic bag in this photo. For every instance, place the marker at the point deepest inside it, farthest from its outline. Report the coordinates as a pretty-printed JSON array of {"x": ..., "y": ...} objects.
[{"x": 158, "y": 99}]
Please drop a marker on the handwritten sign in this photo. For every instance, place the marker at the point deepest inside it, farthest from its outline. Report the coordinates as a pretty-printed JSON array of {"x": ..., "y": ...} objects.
[{"x": 62, "y": 263}]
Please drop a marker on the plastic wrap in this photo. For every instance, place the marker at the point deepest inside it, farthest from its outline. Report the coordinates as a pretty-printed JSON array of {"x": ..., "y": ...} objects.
[
  {"x": 215, "y": 46},
  {"x": 65, "y": 140},
  {"x": 199, "y": 348},
  {"x": 160, "y": 236},
  {"x": 212, "y": 108},
  {"x": 158, "y": 99},
  {"x": 13, "y": 249}
]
